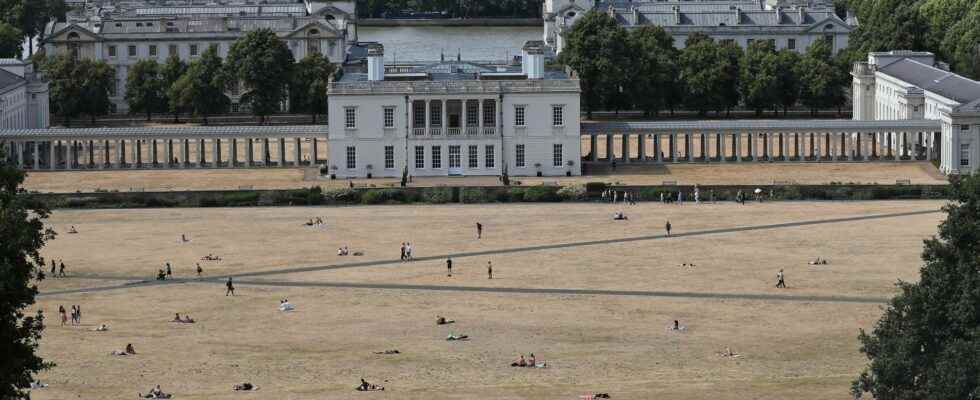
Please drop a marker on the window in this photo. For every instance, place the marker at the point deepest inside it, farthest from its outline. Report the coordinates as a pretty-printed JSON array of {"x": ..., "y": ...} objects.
[
  {"x": 350, "y": 117},
  {"x": 351, "y": 157},
  {"x": 519, "y": 156},
  {"x": 131, "y": 51},
  {"x": 418, "y": 114},
  {"x": 489, "y": 113},
  {"x": 235, "y": 107},
  {"x": 435, "y": 113},
  {"x": 153, "y": 50},
  {"x": 114, "y": 88},
  {"x": 964, "y": 127},
  {"x": 556, "y": 157},
  {"x": 489, "y": 160},
  {"x": 830, "y": 40},
  {"x": 772, "y": 43},
  {"x": 172, "y": 50},
  {"x": 419, "y": 157},
  {"x": 964, "y": 154},
  {"x": 436, "y": 156},
  {"x": 558, "y": 115},
  {"x": 519, "y": 119},
  {"x": 389, "y": 117},
  {"x": 193, "y": 50},
  {"x": 112, "y": 51},
  {"x": 472, "y": 113},
  {"x": 454, "y": 157},
  {"x": 389, "y": 157},
  {"x": 234, "y": 87},
  {"x": 791, "y": 44},
  {"x": 474, "y": 157},
  {"x": 749, "y": 41}
]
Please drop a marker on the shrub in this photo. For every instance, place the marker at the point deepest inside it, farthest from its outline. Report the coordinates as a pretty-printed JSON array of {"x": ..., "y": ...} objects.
[
  {"x": 541, "y": 194},
  {"x": 572, "y": 193},
  {"x": 790, "y": 193},
  {"x": 516, "y": 194},
  {"x": 343, "y": 196},
  {"x": 240, "y": 199},
  {"x": 157, "y": 202},
  {"x": 474, "y": 195},
  {"x": 596, "y": 187},
  {"x": 440, "y": 195},
  {"x": 382, "y": 196}
]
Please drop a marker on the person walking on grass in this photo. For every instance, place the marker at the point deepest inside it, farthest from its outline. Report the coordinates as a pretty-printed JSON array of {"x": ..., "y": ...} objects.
[
  {"x": 230, "y": 286},
  {"x": 667, "y": 227},
  {"x": 489, "y": 270},
  {"x": 449, "y": 266},
  {"x": 170, "y": 272},
  {"x": 479, "y": 230},
  {"x": 61, "y": 271},
  {"x": 199, "y": 269},
  {"x": 54, "y": 267},
  {"x": 780, "y": 280}
]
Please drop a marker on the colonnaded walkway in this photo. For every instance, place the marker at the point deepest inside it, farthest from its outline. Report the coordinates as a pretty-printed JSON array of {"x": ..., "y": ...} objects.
[{"x": 138, "y": 282}]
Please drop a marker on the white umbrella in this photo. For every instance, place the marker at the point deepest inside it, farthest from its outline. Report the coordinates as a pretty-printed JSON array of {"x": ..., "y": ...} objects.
[{"x": 758, "y": 191}]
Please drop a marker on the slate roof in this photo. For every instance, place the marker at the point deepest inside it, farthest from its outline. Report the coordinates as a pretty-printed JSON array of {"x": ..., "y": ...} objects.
[
  {"x": 8, "y": 79},
  {"x": 932, "y": 79}
]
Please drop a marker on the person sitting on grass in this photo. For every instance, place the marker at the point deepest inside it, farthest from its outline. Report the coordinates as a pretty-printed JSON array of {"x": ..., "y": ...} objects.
[
  {"x": 73, "y": 230},
  {"x": 368, "y": 387},
  {"x": 187, "y": 319},
  {"x": 453, "y": 337},
  {"x": 161, "y": 275},
  {"x": 155, "y": 393},
  {"x": 102, "y": 328},
  {"x": 245, "y": 387},
  {"x": 130, "y": 350},
  {"x": 443, "y": 321},
  {"x": 285, "y": 305},
  {"x": 177, "y": 318},
  {"x": 521, "y": 362},
  {"x": 619, "y": 216}
]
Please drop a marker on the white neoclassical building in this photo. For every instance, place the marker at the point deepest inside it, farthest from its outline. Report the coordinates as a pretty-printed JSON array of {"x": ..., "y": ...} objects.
[
  {"x": 23, "y": 96},
  {"x": 124, "y": 32},
  {"x": 455, "y": 118},
  {"x": 907, "y": 85},
  {"x": 792, "y": 24}
]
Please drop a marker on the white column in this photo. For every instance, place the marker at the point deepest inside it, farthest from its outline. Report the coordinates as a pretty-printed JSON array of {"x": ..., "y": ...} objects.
[
  {"x": 249, "y": 153},
  {"x": 721, "y": 147},
  {"x": 168, "y": 152},
  {"x": 641, "y": 143},
  {"x": 200, "y": 152},
  {"x": 37, "y": 156},
  {"x": 657, "y": 148},
  {"x": 19, "y": 148},
  {"x": 216, "y": 152},
  {"x": 70, "y": 159},
  {"x": 625, "y": 144},
  {"x": 593, "y": 148},
  {"x": 445, "y": 122},
  {"x": 674, "y": 148},
  {"x": 183, "y": 152},
  {"x": 610, "y": 155},
  {"x": 265, "y": 152},
  {"x": 312, "y": 149},
  {"x": 479, "y": 117},
  {"x": 52, "y": 155},
  {"x": 232, "y": 152}
]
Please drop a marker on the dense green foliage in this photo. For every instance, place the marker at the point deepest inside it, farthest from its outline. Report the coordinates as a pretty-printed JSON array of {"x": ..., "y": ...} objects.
[
  {"x": 453, "y": 8},
  {"x": 22, "y": 235},
  {"x": 170, "y": 73},
  {"x": 926, "y": 346},
  {"x": 264, "y": 64},
  {"x": 25, "y": 18},
  {"x": 202, "y": 87},
  {"x": 640, "y": 69},
  {"x": 78, "y": 86},
  {"x": 308, "y": 89},
  {"x": 145, "y": 90},
  {"x": 949, "y": 28}
]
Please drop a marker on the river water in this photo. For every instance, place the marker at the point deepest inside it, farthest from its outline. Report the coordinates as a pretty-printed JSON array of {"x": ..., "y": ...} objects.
[{"x": 426, "y": 43}]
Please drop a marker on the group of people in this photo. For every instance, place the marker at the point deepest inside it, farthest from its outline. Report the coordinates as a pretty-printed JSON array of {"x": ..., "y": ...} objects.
[
  {"x": 128, "y": 351},
  {"x": 76, "y": 315},
  {"x": 285, "y": 305},
  {"x": 155, "y": 393},
  {"x": 368, "y": 387},
  {"x": 315, "y": 222},
  {"x": 60, "y": 269},
  {"x": 530, "y": 362},
  {"x": 406, "y": 252},
  {"x": 613, "y": 196}
]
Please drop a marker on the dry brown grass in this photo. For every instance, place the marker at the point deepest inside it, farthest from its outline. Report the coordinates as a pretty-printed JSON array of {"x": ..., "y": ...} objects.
[{"x": 791, "y": 349}]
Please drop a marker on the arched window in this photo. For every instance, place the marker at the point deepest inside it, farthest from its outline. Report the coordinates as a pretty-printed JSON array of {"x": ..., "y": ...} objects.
[
  {"x": 571, "y": 14},
  {"x": 314, "y": 32},
  {"x": 73, "y": 36},
  {"x": 829, "y": 26}
]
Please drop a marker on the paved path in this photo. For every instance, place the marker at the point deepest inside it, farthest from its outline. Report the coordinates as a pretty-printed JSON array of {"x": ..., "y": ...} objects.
[{"x": 131, "y": 282}]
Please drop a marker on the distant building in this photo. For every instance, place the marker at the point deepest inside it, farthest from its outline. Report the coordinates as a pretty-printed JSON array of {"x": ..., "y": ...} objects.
[
  {"x": 899, "y": 85},
  {"x": 23, "y": 96},
  {"x": 787, "y": 24},
  {"x": 454, "y": 118},
  {"x": 123, "y": 32}
]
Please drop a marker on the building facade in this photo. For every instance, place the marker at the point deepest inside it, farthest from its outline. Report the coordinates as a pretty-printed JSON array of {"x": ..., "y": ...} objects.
[
  {"x": 23, "y": 96},
  {"x": 906, "y": 85},
  {"x": 455, "y": 119},
  {"x": 791, "y": 24},
  {"x": 125, "y": 32}
]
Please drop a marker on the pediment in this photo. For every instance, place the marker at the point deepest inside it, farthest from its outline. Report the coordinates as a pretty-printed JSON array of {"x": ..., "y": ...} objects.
[
  {"x": 324, "y": 31},
  {"x": 84, "y": 35}
]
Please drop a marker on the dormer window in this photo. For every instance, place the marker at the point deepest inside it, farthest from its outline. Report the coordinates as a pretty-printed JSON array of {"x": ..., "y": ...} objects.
[
  {"x": 829, "y": 26},
  {"x": 571, "y": 14}
]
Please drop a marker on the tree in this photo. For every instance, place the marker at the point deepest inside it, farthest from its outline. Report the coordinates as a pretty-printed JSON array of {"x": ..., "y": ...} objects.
[
  {"x": 308, "y": 90},
  {"x": 820, "y": 81},
  {"x": 202, "y": 87},
  {"x": 22, "y": 234},
  {"x": 926, "y": 346},
  {"x": 701, "y": 72},
  {"x": 30, "y": 17},
  {"x": 263, "y": 64},
  {"x": 78, "y": 87},
  {"x": 731, "y": 56},
  {"x": 758, "y": 77},
  {"x": 962, "y": 43},
  {"x": 170, "y": 73},
  {"x": 651, "y": 71},
  {"x": 11, "y": 40},
  {"x": 596, "y": 50},
  {"x": 145, "y": 88},
  {"x": 787, "y": 78}
]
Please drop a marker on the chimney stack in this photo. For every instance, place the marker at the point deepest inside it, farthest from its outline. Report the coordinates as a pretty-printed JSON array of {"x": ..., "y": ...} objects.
[
  {"x": 376, "y": 62},
  {"x": 532, "y": 62}
]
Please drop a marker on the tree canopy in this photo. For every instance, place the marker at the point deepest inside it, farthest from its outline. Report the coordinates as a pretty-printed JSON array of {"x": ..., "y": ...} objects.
[
  {"x": 263, "y": 63},
  {"x": 78, "y": 87},
  {"x": 22, "y": 235},
  {"x": 145, "y": 88},
  {"x": 170, "y": 73},
  {"x": 926, "y": 346},
  {"x": 202, "y": 88},
  {"x": 596, "y": 49},
  {"x": 308, "y": 90}
]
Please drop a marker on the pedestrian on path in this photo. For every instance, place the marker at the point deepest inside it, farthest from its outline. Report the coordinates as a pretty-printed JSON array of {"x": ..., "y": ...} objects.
[
  {"x": 170, "y": 272},
  {"x": 199, "y": 269},
  {"x": 449, "y": 266},
  {"x": 780, "y": 281},
  {"x": 53, "y": 268},
  {"x": 230, "y": 286},
  {"x": 61, "y": 271},
  {"x": 667, "y": 227},
  {"x": 489, "y": 270}
]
